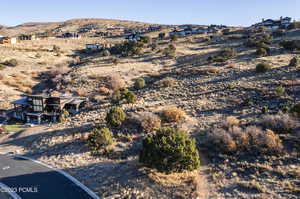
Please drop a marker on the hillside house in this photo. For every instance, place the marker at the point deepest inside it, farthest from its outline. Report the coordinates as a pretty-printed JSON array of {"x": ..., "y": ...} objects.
[
  {"x": 154, "y": 28},
  {"x": 180, "y": 33},
  {"x": 85, "y": 30},
  {"x": 70, "y": 35},
  {"x": 94, "y": 47},
  {"x": 273, "y": 25},
  {"x": 8, "y": 40},
  {"x": 40, "y": 108},
  {"x": 27, "y": 37},
  {"x": 133, "y": 37},
  {"x": 201, "y": 31}
]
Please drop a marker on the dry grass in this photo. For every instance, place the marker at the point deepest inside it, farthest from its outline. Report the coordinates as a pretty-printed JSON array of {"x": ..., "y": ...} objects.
[
  {"x": 173, "y": 179},
  {"x": 105, "y": 91},
  {"x": 82, "y": 92},
  {"x": 251, "y": 185},
  {"x": 150, "y": 122},
  {"x": 173, "y": 114},
  {"x": 280, "y": 123},
  {"x": 168, "y": 82},
  {"x": 230, "y": 121},
  {"x": 116, "y": 82},
  {"x": 251, "y": 139}
]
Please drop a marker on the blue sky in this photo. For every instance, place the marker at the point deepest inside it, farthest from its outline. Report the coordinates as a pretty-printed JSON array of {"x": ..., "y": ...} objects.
[{"x": 228, "y": 12}]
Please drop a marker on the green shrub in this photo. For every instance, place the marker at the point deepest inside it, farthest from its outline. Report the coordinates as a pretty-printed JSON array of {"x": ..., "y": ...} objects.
[
  {"x": 228, "y": 53},
  {"x": 295, "y": 110},
  {"x": 38, "y": 55},
  {"x": 169, "y": 150},
  {"x": 173, "y": 37},
  {"x": 170, "y": 51},
  {"x": 290, "y": 44},
  {"x": 117, "y": 96},
  {"x": 223, "y": 55},
  {"x": 64, "y": 115},
  {"x": 105, "y": 53},
  {"x": 295, "y": 61},
  {"x": 116, "y": 116},
  {"x": 128, "y": 48},
  {"x": 218, "y": 59},
  {"x": 263, "y": 67},
  {"x": 11, "y": 62},
  {"x": 279, "y": 90},
  {"x": 146, "y": 39},
  {"x": 261, "y": 52},
  {"x": 259, "y": 40},
  {"x": 130, "y": 97},
  {"x": 56, "y": 49},
  {"x": 124, "y": 94},
  {"x": 161, "y": 35},
  {"x": 265, "y": 110},
  {"x": 139, "y": 83},
  {"x": 262, "y": 29},
  {"x": 100, "y": 138},
  {"x": 2, "y": 66}
]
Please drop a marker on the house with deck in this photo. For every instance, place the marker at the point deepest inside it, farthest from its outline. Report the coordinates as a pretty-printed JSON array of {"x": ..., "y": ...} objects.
[
  {"x": 273, "y": 25},
  {"x": 46, "y": 107}
]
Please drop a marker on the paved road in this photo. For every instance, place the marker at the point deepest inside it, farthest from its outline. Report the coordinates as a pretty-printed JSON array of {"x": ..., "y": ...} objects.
[{"x": 34, "y": 181}]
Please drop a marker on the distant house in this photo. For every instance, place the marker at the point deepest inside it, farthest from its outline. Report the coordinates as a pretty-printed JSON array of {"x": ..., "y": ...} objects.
[
  {"x": 188, "y": 31},
  {"x": 70, "y": 35},
  {"x": 8, "y": 40},
  {"x": 27, "y": 37},
  {"x": 154, "y": 28},
  {"x": 201, "y": 31},
  {"x": 39, "y": 108},
  {"x": 57, "y": 30},
  {"x": 273, "y": 25},
  {"x": 85, "y": 30},
  {"x": 133, "y": 37},
  {"x": 180, "y": 33},
  {"x": 95, "y": 46}
]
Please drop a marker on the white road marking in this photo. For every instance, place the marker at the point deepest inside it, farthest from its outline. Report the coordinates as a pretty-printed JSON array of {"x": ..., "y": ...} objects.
[
  {"x": 90, "y": 192},
  {"x": 6, "y": 189}
]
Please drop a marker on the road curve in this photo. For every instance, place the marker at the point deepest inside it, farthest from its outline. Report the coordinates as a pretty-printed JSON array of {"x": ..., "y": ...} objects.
[{"x": 34, "y": 180}]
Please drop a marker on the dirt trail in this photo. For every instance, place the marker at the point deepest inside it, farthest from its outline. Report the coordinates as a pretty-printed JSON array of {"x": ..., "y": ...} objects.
[{"x": 203, "y": 188}]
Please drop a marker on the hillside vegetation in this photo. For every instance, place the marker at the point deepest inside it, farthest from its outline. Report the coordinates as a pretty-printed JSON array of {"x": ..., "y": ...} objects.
[{"x": 208, "y": 116}]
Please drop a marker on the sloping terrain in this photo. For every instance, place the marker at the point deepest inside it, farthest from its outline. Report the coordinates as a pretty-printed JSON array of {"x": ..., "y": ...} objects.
[
  {"x": 70, "y": 25},
  {"x": 207, "y": 92}
]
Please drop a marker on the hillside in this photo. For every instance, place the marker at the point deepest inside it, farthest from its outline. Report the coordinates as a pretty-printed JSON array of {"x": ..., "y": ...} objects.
[
  {"x": 70, "y": 25},
  {"x": 236, "y": 94}
]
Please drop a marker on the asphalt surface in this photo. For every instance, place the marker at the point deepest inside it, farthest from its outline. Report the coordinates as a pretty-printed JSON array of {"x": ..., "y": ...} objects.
[{"x": 34, "y": 181}]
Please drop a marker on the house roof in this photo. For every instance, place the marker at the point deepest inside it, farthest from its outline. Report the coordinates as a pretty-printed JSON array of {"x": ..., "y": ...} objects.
[{"x": 21, "y": 101}]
